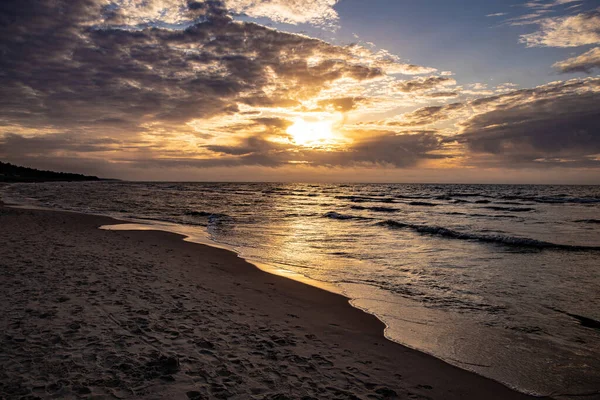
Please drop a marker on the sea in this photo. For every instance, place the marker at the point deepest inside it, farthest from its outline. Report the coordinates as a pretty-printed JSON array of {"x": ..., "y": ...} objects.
[{"x": 502, "y": 280}]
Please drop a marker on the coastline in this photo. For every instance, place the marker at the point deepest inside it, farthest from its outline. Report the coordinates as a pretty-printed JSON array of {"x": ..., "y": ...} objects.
[{"x": 231, "y": 329}]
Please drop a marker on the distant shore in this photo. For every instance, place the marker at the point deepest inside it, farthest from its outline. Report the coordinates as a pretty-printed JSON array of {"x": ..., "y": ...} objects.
[
  {"x": 6, "y": 180},
  {"x": 144, "y": 314},
  {"x": 10, "y": 173}
]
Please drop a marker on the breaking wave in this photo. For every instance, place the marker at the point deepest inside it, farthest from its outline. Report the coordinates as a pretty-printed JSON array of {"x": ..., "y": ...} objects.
[
  {"x": 511, "y": 209},
  {"x": 376, "y": 209},
  {"x": 335, "y": 215},
  {"x": 422, "y": 203},
  {"x": 498, "y": 239},
  {"x": 554, "y": 199},
  {"x": 589, "y": 221}
]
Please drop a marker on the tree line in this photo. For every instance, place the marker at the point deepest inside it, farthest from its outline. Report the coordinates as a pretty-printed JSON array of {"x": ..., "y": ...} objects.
[{"x": 15, "y": 173}]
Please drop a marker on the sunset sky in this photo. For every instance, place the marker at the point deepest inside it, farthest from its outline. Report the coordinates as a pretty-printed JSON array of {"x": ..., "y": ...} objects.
[{"x": 303, "y": 90}]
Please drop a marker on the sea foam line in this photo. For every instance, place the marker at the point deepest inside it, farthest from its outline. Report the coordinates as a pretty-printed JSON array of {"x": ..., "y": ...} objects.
[{"x": 499, "y": 239}]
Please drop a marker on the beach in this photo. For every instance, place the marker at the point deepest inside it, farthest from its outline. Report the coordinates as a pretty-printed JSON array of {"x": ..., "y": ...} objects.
[{"x": 143, "y": 314}]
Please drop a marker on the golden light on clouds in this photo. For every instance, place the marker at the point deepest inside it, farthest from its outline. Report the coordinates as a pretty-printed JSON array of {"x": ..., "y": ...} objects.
[{"x": 195, "y": 85}]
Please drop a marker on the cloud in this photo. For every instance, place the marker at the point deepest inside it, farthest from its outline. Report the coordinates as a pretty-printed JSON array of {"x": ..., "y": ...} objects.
[
  {"x": 500, "y": 14},
  {"x": 394, "y": 67},
  {"x": 442, "y": 95},
  {"x": 139, "y": 13},
  {"x": 59, "y": 70},
  {"x": 544, "y": 5},
  {"x": 342, "y": 104},
  {"x": 64, "y": 67},
  {"x": 185, "y": 84},
  {"x": 79, "y": 81},
  {"x": 136, "y": 13},
  {"x": 570, "y": 31},
  {"x": 585, "y": 62},
  {"x": 395, "y": 149},
  {"x": 249, "y": 145},
  {"x": 318, "y": 12},
  {"x": 558, "y": 123},
  {"x": 554, "y": 124},
  {"x": 423, "y": 84},
  {"x": 390, "y": 63},
  {"x": 370, "y": 149},
  {"x": 506, "y": 87},
  {"x": 13, "y": 144},
  {"x": 428, "y": 115}
]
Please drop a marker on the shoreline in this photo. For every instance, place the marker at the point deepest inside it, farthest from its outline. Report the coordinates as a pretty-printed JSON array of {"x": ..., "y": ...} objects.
[
  {"x": 162, "y": 226},
  {"x": 327, "y": 314}
]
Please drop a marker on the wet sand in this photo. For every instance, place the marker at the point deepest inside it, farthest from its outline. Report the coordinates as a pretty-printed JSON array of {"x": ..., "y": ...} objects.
[{"x": 143, "y": 314}]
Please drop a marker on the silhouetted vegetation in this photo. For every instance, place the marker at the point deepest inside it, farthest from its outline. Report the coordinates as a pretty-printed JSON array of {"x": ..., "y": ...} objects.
[{"x": 14, "y": 173}]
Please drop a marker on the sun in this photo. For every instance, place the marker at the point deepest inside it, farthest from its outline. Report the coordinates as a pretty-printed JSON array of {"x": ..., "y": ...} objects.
[{"x": 311, "y": 134}]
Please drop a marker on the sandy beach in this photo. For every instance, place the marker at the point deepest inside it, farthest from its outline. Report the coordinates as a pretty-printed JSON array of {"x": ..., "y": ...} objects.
[{"x": 90, "y": 313}]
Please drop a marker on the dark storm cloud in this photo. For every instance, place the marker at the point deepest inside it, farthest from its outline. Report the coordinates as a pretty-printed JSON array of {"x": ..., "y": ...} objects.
[
  {"x": 553, "y": 124},
  {"x": 14, "y": 144},
  {"x": 116, "y": 80},
  {"x": 393, "y": 149},
  {"x": 556, "y": 123},
  {"x": 58, "y": 68},
  {"x": 374, "y": 148},
  {"x": 249, "y": 145}
]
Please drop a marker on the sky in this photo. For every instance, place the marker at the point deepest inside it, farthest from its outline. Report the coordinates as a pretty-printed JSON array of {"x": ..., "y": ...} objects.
[{"x": 303, "y": 90}]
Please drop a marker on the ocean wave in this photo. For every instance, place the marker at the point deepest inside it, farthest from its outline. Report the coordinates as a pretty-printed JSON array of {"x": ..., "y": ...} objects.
[
  {"x": 460, "y": 201},
  {"x": 437, "y": 296},
  {"x": 422, "y": 203},
  {"x": 404, "y": 196},
  {"x": 365, "y": 199},
  {"x": 213, "y": 218},
  {"x": 559, "y": 199},
  {"x": 589, "y": 221},
  {"x": 510, "y": 209},
  {"x": 198, "y": 213},
  {"x": 218, "y": 220},
  {"x": 376, "y": 209},
  {"x": 481, "y": 215},
  {"x": 299, "y": 215},
  {"x": 493, "y": 216},
  {"x": 336, "y": 215},
  {"x": 498, "y": 239},
  {"x": 467, "y": 194}
]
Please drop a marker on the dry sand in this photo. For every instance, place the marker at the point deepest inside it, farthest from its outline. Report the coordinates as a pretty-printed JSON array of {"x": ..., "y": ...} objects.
[{"x": 131, "y": 314}]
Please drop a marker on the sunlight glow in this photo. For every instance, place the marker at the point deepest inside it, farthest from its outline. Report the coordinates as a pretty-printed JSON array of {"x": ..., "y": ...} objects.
[{"x": 311, "y": 134}]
